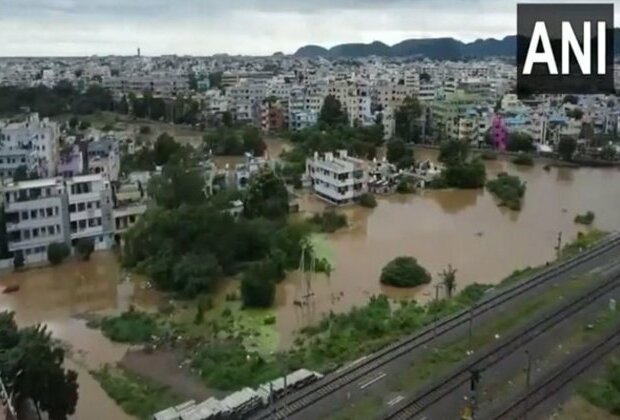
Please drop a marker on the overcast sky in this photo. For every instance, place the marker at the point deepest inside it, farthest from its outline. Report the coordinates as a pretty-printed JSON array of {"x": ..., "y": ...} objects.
[{"x": 258, "y": 27}]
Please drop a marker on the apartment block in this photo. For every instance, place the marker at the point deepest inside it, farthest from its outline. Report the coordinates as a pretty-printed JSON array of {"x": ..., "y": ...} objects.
[
  {"x": 32, "y": 143},
  {"x": 338, "y": 179},
  {"x": 36, "y": 215}
]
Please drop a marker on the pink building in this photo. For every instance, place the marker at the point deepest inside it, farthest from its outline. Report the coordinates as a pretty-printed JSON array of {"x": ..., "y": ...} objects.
[{"x": 499, "y": 133}]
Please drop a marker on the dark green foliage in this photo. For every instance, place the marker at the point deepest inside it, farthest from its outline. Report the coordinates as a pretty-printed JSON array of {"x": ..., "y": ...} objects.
[
  {"x": 448, "y": 279},
  {"x": 453, "y": 152},
  {"x": 253, "y": 141},
  {"x": 399, "y": 154},
  {"x": 52, "y": 102},
  {"x": 226, "y": 365},
  {"x": 85, "y": 247},
  {"x": 165, "y": 147},
  {"x": 585, "y": 219},
  {"x": 57, "y": 252},
  {"x": 177, "y": 185},
  {"x": 567, "y": 147},
  {"x": 605, "y": 392},
  {"x": 368, "y": 200},
  {"x": 473, "y": 293},
  {"x": 570, "y": 99},
  {"x": 488, "y": 155},
  {"x": 18, "y": 260},
  {"x": 465, "y": 175},
  {"x": 215, "y": 79},
  {"x": 407, "y": 120},
  {"x": 508, "y": 189},
  {"x": 523, "y": 160},
  {"x": 404, "y": 187},
  {"x": 145, "y": 129},
  {"x": 130, "y": 327},
  {"x": 332, "y": 114},
  {"x": 575, "y": 113},
  {"x": 608, "y": 153},
  {"x": 32, "y": 369},
  {"x": 520, "y": 142},
  {"x": 196, "y": 273},
  {"x": 258, "y": 283},
  {"x": 329, "y": 221},
  {"x": 84, "y": 125},
  {"x": 266, "y": 196},
  {"x": 230, "y": 142},
  {"x": 136, "y": 395},
  {"x": 404, "y": 272}
]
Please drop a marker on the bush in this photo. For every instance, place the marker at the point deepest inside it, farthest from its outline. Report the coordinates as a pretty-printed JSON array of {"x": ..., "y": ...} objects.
[
  {"x": 57, "y": 252},
  {"x": 368, "y": 200},
  {"x": 18, "y": 261},
  {"x": 258, "y": 284},
  {"x": 329, "y": 221},
  {"x": 585, "y": 219},
  {"x": 404, "y": 187},
  {"x": 404, "y": 272},
  {"x": 508, "y": 189},
  {"x": 524, "y": 160},
  {"x": 85, "y": 247},
  {"x": 145, "y": 129},
  {"x": 130, "y": 327}
]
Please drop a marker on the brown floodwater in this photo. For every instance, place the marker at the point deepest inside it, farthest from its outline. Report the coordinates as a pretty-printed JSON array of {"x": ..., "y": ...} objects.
[
  {"x": 59, "y": 296},
  {"x": 463, "y": 228}
]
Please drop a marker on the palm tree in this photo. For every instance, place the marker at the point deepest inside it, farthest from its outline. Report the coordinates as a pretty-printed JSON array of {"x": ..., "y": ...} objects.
[{"x": 448, "y": 277}]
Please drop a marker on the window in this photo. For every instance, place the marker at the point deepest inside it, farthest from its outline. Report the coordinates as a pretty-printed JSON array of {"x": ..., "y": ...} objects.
[
  {"x": 73, "y": 227},
  {"x": 35, "y": 232},
  {"x": 41, "y": 213},
  {"x": 25, "y": 215},
  {"x": 27, "y": 234},
  {"x": 71, "y": 208},
  {"x": 50, "y": 230},
  {"x": 81, "y": 207},
  {"x": 49, "y": 211},
  {"x": 33, "y": 214},
  {"x": 82, "y": 224}
]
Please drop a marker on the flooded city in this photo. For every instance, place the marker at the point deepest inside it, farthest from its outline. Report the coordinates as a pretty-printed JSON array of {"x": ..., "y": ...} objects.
[{"x": 463, "y": 228}]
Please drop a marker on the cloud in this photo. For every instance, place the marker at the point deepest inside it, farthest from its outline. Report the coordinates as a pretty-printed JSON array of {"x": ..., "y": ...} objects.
[{"x": 204, "y": 27}]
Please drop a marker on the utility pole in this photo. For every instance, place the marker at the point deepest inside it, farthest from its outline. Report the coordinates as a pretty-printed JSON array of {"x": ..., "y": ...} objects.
[
  {"x": 528, "y": 373},
  {"x": 474, "y": 380},
  {"x": 437, "y": 287},
  {"x": 558, "y": 247}
]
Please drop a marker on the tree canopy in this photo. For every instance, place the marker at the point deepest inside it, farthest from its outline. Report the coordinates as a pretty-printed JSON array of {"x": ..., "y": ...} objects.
[
  {"x": 31, "y": 365},
  {"x": 266, "y": 196},
  {"x": 399, "y": 154},
  {"x": 407, "y": 120},
  {"x": 404, "y": 272},
  {"x": 332, "y": 113},
  {"x": 567, "y": 147}
]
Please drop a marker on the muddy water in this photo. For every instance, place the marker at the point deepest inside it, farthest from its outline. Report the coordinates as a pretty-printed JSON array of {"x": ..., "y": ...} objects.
[
  {"x": 58, "y": 296},
  {"x": 462, "y": 228},
  {"x": 467, "y": 229}
]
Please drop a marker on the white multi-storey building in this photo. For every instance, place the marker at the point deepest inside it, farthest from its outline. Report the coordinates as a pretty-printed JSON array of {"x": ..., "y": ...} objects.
[
  {"x": 32, "y": 143},
  {"x": 90, "y": 209},
  {"x": 339, "y": 179},
  {"x": 35, "y": 213}
]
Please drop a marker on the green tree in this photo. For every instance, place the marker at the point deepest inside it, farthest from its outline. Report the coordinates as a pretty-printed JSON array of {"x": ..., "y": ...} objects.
[
  {"x": 368, "y": 200},
  {"x": 448, "y": 279},
  {"x": 404, "y": 272},
  {"x": 57, "y": 252},
  {"x": 73, "y": 122},
  {"x": 253, "y": 141},
  {"x": 31, "y": 365},
  {"x": 520, "y": 142},
  {"x": 399, "y": 154},
  {"x": 608, "y": 153},
  {"x": 258, "y": 284},
  {"x": 332, "y": 114},
  {"x": 266, "y": 196},
  {"x": 85, "y": 248},
  {"x": 567, "y": 147},
  {"x": 453, "y": 152},
  {"x": 177, "y": 185},
  {"x": 165, "y": 147},
  {"x": 407, "y": 120},
  {"x": 195, "y": 274},
  {"x": 21, "y": 173}
]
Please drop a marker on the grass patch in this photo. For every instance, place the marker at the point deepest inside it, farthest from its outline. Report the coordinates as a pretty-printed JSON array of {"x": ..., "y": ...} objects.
[
  {"x": 583, "y": 241},
  {"x": 137, "y": 396},
  {"x": 130, "y": 327},
  {"x": 441, "y": 359},
  {"x": 508, "y": 189}
]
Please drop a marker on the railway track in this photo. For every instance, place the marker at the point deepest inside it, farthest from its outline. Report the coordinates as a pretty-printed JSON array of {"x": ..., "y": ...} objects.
[
  {"x": 335, "y": 381},
  {"x": 558, "y": 378},
  {"x": 460, "y": 376}
]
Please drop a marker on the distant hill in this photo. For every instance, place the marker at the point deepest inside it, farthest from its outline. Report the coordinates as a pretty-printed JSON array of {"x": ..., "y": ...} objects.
[{"x": 435, "y": 48}]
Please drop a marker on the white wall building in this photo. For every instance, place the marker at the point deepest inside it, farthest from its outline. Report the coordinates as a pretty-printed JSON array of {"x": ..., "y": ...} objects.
[{"x": 337, "y": 179}]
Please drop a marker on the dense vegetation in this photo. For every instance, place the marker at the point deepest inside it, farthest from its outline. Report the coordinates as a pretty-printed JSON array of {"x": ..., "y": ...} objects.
[
  {"x": 508, "y": 189},
  {"x": 408, "y": 122},
  {"x": 232, "y": 142},
  {"x": 329, "y": 221},
  {"x": 399, "y": 154},
  {"x": 523, "y": 160},
  {"x": 585, "y": 219},
  {"x": 605, "y": 392},
  {"x": 137, "y": 396},
  {"x": 368, "y": 200},
  {"x": 57, "y": 252},
  {"x": 461, "y": 171},
  {"x": 130, "y": 327},
  {"x": 32, "y": 369},
  {"x": 404, "y": 272}
]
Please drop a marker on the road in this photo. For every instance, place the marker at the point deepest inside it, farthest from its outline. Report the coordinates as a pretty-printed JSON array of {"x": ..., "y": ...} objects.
[{"x": 375, "y": 382}]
